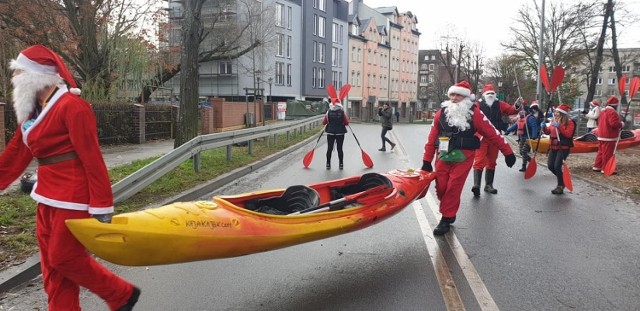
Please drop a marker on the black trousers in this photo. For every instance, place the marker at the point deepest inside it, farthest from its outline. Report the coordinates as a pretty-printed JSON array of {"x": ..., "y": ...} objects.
[
  {"x": 554, "y": 163},
  {"x": 337, "y": 140}
]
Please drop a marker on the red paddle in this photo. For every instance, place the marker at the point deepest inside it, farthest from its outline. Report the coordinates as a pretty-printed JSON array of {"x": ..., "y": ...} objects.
[
  {"x": 544, "y": 78},
  {"x": 309, "y": 156},
  {"x": 366, "y": 159},
  {"x": 610, "y": 167},
  {"x": 556, "y": 78},
  {"x": 566, "y": 176},
  {"x": 621, "y": 85},
  {"x": 331, "y": 90},
  {"x": 344, "y": 91}
]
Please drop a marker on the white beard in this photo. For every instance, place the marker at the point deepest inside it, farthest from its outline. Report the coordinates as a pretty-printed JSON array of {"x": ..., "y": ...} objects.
[
  {"x": 458, "y": 114},
  {"x": 490, "y": 100},
  {"x": 25, "y": 87}
]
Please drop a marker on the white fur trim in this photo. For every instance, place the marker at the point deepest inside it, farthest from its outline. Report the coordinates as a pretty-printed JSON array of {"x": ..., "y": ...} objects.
[
  {"x": 459, "y": 90},
  {"x": 75, "y": 91},
  {"x": 24, "y": 63}
]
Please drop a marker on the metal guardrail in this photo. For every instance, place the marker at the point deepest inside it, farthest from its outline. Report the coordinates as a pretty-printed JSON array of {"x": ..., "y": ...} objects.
[{"x": 145, "y": 176}]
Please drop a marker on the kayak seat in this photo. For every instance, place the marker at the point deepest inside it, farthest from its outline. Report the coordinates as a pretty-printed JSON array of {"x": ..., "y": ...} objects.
[
  {"x": 367, "y": 181},
  {"x": 294, "y": 198},
  {"x": 590, "y": 137},
  {"x": 626, "y": 134}
]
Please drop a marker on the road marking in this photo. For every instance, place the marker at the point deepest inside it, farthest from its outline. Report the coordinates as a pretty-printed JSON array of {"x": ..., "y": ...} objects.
[
  {"x": 448, "y": 288},
  {"x": 480, "y": 291}
]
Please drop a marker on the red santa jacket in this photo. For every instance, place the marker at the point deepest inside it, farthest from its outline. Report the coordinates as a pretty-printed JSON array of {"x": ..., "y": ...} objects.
[
  {"x": 66, "y": 124},
  {"x": 482, "y": 126},
  {"x": 609, "y": 124}
]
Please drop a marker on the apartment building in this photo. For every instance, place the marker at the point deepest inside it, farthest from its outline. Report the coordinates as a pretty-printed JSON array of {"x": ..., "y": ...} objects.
[{"x": 383, "y": 62}]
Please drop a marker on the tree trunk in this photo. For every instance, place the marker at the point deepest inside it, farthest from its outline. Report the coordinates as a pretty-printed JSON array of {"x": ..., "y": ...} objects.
[
  {"x": 616, "y": 56},
  {"x": 188, "y": 114},
  {"x": 591, "y": 89}
]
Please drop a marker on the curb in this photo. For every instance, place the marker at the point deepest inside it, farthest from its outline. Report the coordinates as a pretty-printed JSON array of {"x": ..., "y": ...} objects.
[{"x": 18, "y": 275}]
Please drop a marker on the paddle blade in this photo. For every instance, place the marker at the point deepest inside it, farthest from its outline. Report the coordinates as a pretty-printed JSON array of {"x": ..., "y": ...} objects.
[
  {"x": 544, "y": 77},
  {"x": 344, "y": 91},
  {"x": 610, "y": 167},
  {"x": 633, "y": 87},
  {"x": 306, "y": 161},
  {"x": 366, "y": 159},
  {"x": 331, "y": 90},
  {"x": 566, "y": 176},
  {"x": 622, "y": 84},
  {"x": 556, "y": 78},
  {"x": 531, "y": 169}
]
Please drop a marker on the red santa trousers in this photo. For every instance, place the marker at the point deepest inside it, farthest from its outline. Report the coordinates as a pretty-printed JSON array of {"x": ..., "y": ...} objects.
[
  {"x": 450, "y": 179},
  {"x": 605, "y": 152},
  {"x": 486, "y": 156},
  {"x": 66, "y": 265}
]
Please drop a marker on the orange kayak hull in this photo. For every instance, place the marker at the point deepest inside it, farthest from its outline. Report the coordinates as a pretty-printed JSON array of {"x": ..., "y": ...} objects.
[{"x": 588, "y": 146}]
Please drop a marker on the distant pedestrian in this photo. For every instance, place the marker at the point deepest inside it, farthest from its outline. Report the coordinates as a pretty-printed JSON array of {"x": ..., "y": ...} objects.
[
  {"x": 397, "y": 115},
  {"x": 527, "y": 126},
  {"x": 336, "y": 122},
  {"x": 387, "y": 125},
  {"x": 560, "y": 130},
  {"x": 592, "y": 116},
  {"x": 609, "y": 127}
]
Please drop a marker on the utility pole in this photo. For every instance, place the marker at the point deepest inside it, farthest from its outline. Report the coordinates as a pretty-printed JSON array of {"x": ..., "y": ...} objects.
[{"x": 540, "y": 59}]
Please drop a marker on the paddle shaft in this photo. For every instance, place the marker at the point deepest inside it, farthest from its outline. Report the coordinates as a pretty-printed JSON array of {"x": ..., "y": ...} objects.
[{"x": 342, "y": 201}]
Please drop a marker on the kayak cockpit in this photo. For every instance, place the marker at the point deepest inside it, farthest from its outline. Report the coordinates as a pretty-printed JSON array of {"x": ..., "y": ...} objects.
[{"x": 299, "y": 198}]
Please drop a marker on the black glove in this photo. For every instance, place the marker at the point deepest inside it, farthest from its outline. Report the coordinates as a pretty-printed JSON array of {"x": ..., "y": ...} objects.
[
  {"x": 104, "y": 218},
  {"x": 510, "y": 160},
  {"x": 426, "y": 166}
]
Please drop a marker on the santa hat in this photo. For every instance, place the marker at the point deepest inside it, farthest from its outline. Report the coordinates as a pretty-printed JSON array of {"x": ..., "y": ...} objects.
[
  {"x": 461, "y": 88},
  {"x": 595, "y": 103},
  {"x": 563, "y": 108},
  {"x": 488, "y": 88},
  {"x": 534, "y": 105},
  {"x": 39, "y": 59},
  {"x": 612, "y": 101}
]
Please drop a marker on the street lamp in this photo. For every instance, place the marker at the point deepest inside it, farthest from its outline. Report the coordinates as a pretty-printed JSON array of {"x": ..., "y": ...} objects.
[{"x": 270, "y": 81}]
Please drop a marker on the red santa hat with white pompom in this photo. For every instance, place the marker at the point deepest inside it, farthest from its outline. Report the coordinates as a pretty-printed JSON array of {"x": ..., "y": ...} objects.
[{"x": 40, "y": 59}]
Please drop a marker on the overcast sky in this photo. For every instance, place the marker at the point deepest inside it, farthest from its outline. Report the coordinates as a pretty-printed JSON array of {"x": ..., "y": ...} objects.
[{"x": 484, "y": 22}]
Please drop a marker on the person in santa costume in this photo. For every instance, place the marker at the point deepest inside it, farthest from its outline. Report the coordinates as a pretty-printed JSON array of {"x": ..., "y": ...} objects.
[
  {"x": 592, "y": 116},
  {"x": 487, "y": 155},
  {"x": 58, "y": 128},
  {"x": 609, "y": 127},
  {"x": 453, "y": 137},
  {"x": 560, "y": 131}
]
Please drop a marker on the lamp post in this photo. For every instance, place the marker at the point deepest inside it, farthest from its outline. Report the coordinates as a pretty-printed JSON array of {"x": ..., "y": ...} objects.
[{"x": 270, "y": 81}]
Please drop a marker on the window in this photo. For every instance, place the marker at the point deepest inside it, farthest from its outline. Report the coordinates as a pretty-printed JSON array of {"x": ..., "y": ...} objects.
[
  {"x": 612, "y": 92},
  {"x": 279, "y": 14},
  {"x": 423, "y": 78},
  {"x": 225, "y": 68},
  {"x": 315, "y": 77},
  {"x": 279, "y": 73},
  {"x": 322, "y": 5},
  {"x": 321, "y": 78},
  {"x": 315, "y": 24},
  {"x": 599, "y": 81},
  {"x": 289, "y": 17},
  {"x": 288, "y": 46},
  {"x": 611, "y": 69},
  {"x": 334, "y": 57},
  {"x": 431, "y": 79},
  {"x": 334, "y": 78},
  {"x": 353, "y": 54},
  {"x": 315, "y": 51},
  {"x": 280, "y": 44},
  {"x": 289, "y": 74},
  {"x": 611, "y": 81},
  {"x": 626, "y": 68},
  {"x": 321, "y": 26},
  {"x": 598, "y": 93},
  {"x": 321, "y": 52},
  {"x": 432, "y": 67},
  {"x": 334, "y": 33}
]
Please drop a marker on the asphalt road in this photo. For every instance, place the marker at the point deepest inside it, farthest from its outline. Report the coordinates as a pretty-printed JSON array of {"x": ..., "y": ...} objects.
[{"x": 522, "y": 249}]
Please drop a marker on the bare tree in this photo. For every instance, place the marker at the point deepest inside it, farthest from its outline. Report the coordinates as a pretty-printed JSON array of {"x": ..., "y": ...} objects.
[{"x": 84, "y": 32}]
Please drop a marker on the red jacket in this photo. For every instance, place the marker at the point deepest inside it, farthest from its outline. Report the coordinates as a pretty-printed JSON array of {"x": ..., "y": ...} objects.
[
  {"x": 609, "y": 124},
  {"x": 66, "y": 124},
  {"x": 482, "y": 126},
  {"x": 566, "y": 132}
]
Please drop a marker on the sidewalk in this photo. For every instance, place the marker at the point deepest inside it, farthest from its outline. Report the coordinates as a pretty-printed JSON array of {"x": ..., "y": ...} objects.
[{"x": 120, "y": 155}]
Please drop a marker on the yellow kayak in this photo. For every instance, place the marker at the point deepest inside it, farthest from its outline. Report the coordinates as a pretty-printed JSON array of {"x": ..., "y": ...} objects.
[{"x": 237, "y": 225}]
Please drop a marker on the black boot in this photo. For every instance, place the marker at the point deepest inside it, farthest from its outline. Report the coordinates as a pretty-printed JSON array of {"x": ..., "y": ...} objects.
[
  {"x": 477, "y": 177},
  {"x": 489, "y": 180},
  {"x": 328, "y": 165},
  {"x": 133, "y": 299},
  {"x": 444, "y": 225},
  {"x": 524, "y": 166},
  {"x": 558, "y": 190}
]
